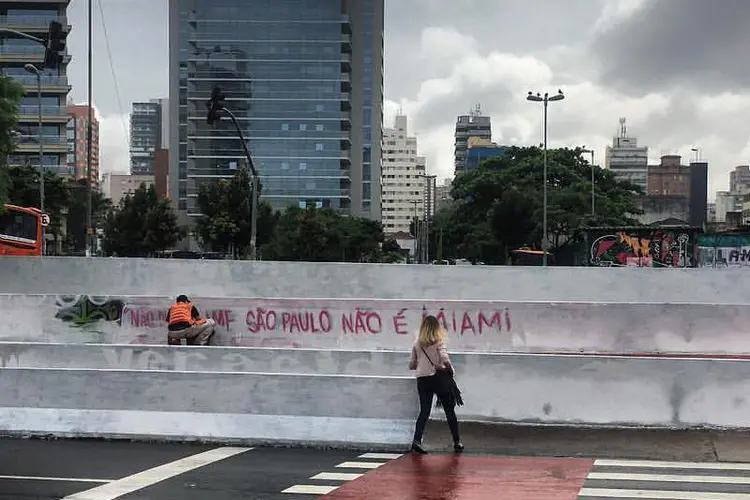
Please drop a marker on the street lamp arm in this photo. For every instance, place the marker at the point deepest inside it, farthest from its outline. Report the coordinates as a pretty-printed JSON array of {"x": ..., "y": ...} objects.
[
  {"x": 242, "y": 139},
  {"x": 23, "y": 35}
]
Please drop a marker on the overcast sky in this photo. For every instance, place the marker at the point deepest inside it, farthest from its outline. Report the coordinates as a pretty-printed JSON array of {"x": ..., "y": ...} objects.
[{"x": 677, "y": 69}]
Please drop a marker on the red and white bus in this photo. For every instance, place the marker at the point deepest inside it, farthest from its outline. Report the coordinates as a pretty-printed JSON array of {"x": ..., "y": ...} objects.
[{"x": 21, "y": 231}]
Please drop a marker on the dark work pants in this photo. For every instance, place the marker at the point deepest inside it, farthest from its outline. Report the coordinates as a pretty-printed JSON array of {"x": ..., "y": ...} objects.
[{"x": 427, "y": 388}]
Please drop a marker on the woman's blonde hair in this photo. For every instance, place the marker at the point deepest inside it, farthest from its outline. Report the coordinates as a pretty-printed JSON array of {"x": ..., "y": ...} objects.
[{"x": 430, "y": 331}]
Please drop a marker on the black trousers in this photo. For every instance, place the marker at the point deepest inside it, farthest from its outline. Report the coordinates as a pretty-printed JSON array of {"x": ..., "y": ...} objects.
[{"x": 427, "y": 387}]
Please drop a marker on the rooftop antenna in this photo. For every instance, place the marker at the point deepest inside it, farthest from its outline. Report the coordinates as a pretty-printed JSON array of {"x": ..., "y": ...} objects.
[
  {"x": 400, "y": 110},
  {"x": 623, "y": 127}
]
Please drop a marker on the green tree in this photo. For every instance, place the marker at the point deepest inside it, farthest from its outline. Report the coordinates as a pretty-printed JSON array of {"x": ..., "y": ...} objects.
[
  {"x": 75, "y": 238},
  {"x": 499, "y": 205},
  {"x": 226, "y": 208},
  {"x": 10, "y": 97},
  {"x": 141, "y": 225},
  {"x": 322, "y": 235},
  {"x": 23, "y": 190}
]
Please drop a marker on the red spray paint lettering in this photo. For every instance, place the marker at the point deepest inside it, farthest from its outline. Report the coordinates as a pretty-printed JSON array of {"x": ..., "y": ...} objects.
[
  {"x": 306, "y": 322},
  {"x": 361, "y": 322},
  {"x": 145, "y": 317},
  {"x": 261, "y": 320}
]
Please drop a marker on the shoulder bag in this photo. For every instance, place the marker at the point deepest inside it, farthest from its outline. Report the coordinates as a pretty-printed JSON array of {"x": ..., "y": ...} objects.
[{"x": 447, "y": 390}]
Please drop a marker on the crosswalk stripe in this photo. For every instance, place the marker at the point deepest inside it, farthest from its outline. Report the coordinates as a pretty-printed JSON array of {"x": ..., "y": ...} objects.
[
  {"x": 669, "y": 478},
  {"x": 336, "y": 476},
  {"x": 658, "y": 495},
  {"x": 673, "y": 465},
  {"x": 310, "y": 489},
  {"x": 360, "y": 465},
  {"x": 382, "y": 456}
]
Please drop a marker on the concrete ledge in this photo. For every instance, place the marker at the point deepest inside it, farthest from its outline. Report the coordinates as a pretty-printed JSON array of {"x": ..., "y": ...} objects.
[
  {"x": 674, "y": 393},
  {"x": 210, "y": 427},
  {"x": 339, "y": 396}
]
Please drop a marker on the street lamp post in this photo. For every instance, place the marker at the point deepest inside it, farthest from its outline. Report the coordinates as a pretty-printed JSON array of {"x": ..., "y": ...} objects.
[
  {"x": 36, "y": 71},
  {"x": 593, "y": 181},
  {"x": 546, "y": 98}
]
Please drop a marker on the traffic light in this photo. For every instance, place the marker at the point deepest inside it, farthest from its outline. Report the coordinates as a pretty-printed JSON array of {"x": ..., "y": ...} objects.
[
  {"x": 214, "y": 105},
  {"x": 55, "y": 50}
]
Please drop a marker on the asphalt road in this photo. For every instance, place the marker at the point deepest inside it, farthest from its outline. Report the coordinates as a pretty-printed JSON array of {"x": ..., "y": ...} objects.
[
  {"x": 97, "y": 470},
  {"x": 517, "y": 463}
]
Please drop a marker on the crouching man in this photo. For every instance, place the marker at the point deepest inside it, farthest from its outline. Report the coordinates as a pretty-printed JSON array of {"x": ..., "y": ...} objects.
[{"x": 185, "y": 323}]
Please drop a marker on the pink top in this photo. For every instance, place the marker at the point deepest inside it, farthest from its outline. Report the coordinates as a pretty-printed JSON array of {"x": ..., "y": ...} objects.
[{"x": 437, "y": 353}]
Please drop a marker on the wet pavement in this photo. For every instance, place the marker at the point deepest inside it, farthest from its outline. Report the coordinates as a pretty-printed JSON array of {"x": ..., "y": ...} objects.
[{"x": 519, "y": 463}]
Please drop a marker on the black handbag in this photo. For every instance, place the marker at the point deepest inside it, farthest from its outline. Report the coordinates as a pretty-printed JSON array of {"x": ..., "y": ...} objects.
[{"x": 447, "y": 390}]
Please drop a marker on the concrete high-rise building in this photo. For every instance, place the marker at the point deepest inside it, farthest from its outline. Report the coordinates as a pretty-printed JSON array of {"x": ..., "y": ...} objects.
[
  {"x": 305, "y": 80},
  {"x": 117, "y": 186},
  {"x": 149, "y": 132},
  {"x": 33, "y": 18},
  {"x": 472, "y": 125},
  {"x": 739, "y": 178},
  {"x": 77, "y": 136},
  {"x": 404, "y": 181},
  {"x": 627, "y": 160}
]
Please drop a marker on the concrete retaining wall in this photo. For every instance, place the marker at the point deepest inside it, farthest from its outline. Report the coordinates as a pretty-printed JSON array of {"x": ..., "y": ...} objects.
[
  {"x": 473, "y": 326},
  {"x": 369, "y": 306},
  {"x": 169, "y": 277},
  {"x": 547, "y": 389},
  {"x": 248, "y": 406}
]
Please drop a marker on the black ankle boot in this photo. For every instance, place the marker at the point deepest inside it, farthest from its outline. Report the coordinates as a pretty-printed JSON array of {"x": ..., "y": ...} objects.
[
  {"x": 417, "y": 448},
  {"x": 458, "y": 447}
]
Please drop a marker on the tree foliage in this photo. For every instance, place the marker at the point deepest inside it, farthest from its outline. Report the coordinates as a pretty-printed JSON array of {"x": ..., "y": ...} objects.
[
  {"x": 10, "y": 97},
  {"x": 499, "y": 206},
  {"x": 321, "y": 235},
  {"x": 75, "y": 241},
  {"x": 141, "y": 225},
  {"x": 227, "y": 215},
  {"x": 23, "y": 190}
]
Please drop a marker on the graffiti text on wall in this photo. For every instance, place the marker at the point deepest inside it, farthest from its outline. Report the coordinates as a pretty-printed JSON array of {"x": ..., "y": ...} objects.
[{"x": 658, "y": 248}]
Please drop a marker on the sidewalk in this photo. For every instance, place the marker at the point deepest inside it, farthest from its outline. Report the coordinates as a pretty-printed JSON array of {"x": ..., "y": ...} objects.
[{"x": 643, "y": 444}]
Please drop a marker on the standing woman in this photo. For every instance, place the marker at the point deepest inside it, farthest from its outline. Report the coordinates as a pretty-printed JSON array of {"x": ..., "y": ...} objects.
[{"x": 429, "y": 357}]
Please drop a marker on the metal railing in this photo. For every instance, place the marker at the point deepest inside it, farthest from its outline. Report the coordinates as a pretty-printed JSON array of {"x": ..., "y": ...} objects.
[
  {"x": 41, "y": 21},
  {"x": 54, "y": 140},
  {"x": 46, "y": 110},
  {"x": 46, "y": 80}
]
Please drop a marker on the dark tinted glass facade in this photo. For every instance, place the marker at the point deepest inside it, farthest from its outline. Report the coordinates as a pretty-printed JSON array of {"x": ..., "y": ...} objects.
[{"x": 298, "y": 76}]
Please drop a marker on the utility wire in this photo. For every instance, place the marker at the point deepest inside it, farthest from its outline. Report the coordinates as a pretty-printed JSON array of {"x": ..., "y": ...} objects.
[{"x": 114, "y": 74}]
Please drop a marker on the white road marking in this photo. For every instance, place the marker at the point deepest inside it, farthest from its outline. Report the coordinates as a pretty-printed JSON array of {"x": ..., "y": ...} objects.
[
  {"x": 337, "y": 476},
  {"x": 65, "y": 479},
  {"x": 676, "y": 478},
  {"x": 382, "y": 456},
  {"x": 360, "y": 465},
  {"x": 141, "y": 480},
  {"x": 310, "y": 489},
  {"x": 658, "y": 495},
  {"x": 674, "y": 465}
]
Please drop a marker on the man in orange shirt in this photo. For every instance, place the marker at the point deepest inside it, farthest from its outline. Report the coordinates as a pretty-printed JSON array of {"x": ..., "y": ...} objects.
[{"x": 185, "y": 323}]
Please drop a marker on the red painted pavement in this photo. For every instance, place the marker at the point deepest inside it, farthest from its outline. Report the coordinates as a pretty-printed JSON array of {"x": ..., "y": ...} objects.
[{"x": 458, "y": 477}]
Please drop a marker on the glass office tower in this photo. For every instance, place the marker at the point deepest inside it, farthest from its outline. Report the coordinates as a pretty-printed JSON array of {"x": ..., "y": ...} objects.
[{"x": 305, "y": 80}]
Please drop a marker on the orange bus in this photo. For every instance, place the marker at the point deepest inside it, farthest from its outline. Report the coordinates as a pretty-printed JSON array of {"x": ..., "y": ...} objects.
[{"x": 21, "y": 231}]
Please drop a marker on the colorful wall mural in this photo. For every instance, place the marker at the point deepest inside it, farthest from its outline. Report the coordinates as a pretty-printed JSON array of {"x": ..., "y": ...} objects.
[
  {"x": 641, "y": 247},
  {"x": 723, "y": 250}
]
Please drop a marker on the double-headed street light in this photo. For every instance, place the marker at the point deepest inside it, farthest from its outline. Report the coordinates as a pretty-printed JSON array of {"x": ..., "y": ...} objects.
[
  {"x": 546, "y": 98},
  {"x": 36, "y": 71}
]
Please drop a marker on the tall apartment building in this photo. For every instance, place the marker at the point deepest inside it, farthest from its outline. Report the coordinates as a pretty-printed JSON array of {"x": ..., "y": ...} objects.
[
  {"x": 149, "y": 133},
  {"x": 627, "y": 160},
  {"x": 472, "y": 125},
  {"x": 33, "y": 18},
  {"x": 77, "y": 137},
  {"x": 404, "y": 181},
  {"x": 305, "y": 80}
]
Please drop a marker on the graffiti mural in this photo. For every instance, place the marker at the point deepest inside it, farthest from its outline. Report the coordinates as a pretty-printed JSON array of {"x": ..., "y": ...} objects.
[
  {"x": 81, "y": 310},
  {"x": 723, "y": 250},
  {"x": 648, "y": 247}
]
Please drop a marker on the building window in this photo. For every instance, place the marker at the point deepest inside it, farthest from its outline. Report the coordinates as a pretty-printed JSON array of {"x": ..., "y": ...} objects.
[{"x": 319, "y": 146}]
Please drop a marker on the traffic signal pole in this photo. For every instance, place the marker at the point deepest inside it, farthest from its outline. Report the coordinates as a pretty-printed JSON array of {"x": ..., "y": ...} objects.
[{"x": 215, "y": 106}]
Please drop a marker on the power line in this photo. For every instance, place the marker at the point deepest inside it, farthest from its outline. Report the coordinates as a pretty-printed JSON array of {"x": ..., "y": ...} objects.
[{"x": 114, "y": 74}]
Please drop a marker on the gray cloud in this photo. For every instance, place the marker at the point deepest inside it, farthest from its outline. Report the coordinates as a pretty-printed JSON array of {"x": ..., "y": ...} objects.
[{"x": 700, "y": 44}]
